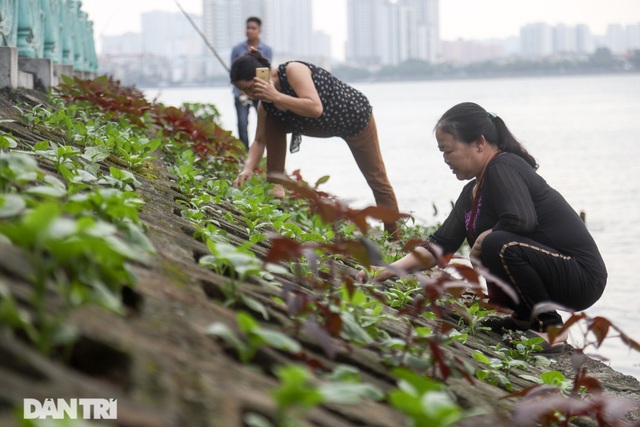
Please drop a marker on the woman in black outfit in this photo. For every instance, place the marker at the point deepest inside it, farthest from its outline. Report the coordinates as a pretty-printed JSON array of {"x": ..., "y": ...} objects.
[{"x": 517, "y": 226}]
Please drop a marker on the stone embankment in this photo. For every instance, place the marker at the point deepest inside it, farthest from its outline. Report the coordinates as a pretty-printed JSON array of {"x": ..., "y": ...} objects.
[{"x": 165, "y": 371}]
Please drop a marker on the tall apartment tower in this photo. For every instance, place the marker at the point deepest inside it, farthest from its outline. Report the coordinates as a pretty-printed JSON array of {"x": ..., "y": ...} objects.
[
  {"x": 584, "y": 40},
  {"x": 537, "y": 40},
  {"x": 224, "y": 24},
  {"x": 368, "y": 29},
  {"x": 565, "y": 40},
  {"x": 384, "y": 33},
  {"x": 421, "y": 24},
  {"x": 288, "y": 27}
]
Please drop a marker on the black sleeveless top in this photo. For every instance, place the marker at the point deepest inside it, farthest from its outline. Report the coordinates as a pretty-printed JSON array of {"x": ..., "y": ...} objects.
[{"x": 346, "y": 111}]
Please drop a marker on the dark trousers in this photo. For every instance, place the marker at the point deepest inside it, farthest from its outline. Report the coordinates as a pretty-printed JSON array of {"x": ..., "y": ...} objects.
[
  {"x": 365, "y": 149},
  {"x": 538, "y": 274},
  {"x": 242, "y": 111}
]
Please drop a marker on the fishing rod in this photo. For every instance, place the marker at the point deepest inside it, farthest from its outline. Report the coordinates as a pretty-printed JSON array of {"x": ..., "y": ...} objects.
[{"x": 193, "y": 24}]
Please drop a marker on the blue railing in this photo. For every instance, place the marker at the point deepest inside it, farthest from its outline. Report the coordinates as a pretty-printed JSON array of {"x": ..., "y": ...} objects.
[{"x": 53, "y": 29}]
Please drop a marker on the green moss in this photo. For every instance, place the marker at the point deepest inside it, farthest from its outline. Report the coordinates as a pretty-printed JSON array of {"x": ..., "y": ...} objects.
[{"x": 175, "y": 275}]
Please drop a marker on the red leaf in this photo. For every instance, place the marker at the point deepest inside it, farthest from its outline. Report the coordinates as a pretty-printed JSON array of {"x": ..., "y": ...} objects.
[
  {"x": 383, "y": 213},
  {"x": 467, "y": 273},
  {"x": 283, "y": 249},
  {"x": 600, "y": 328},
  {"x": 333, "y": 324},
  {"x": 411, "y": 244},
  {"x": 321, "y": 337}
]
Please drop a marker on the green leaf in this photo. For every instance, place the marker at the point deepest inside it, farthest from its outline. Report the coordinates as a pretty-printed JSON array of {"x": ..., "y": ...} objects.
[
  {"x": 11, "y": 205},
  {"x": 83, "y": 176},
  {"x": 64, "y": 334},
  {"x": 46, "y": 191},
  {"x": 96, "y": 154},
  {"x": 55, "y": 182},
  {"x": 322, "y": 180},
  {"x": 7, "y": 142},
  {"x": 246, "y": 322},
  {"x": 414, "y": 384},
  {"x": 41, "y": 146},
  {"x": 255, "y": 305},
  {"x": 482, "y": 374},
  {"x": 252, "y": 419},
  {"x": 62, "y": 228},
  {"x": 529, "y": 378},
  {"x": 223, "y": 331},
  {"x": 553, "y": 378},
  {"x": 480, "y": 357},
  {"x": 278, "y": 340},
  {"x": 350, "y": 393},
  {"x": 295, "y": 389},
  {"x": 352, "y": 331},
  {"x": 439, "y": 407}
]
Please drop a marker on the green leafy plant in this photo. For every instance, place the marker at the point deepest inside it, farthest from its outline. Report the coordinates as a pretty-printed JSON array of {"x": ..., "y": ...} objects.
[
  {"x": 499, "y": 368},
  {"x": 299, "y": 391},
  {"x": 252, "y": 338},
  {"x": 522, "y": 348},
  {"x": 7, "y": 141},
  {"x": 552, "y": 378},
  {"x": 424, "y": 401}
]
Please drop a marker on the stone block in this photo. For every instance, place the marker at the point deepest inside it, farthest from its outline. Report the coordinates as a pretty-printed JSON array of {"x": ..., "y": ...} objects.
[
  {"x": 26, "y": 80},
  {"x": 8, "y": 67},
  {"x": 41, "y": 68},
  {"x": 60, "y": 70}
]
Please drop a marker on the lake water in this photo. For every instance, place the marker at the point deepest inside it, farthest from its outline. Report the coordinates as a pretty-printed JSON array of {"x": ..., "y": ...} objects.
[{"x": 584, "y": 132}]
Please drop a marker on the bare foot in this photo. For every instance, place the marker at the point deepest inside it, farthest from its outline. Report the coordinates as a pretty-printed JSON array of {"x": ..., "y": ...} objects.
[{"x": 277, "y": 191}]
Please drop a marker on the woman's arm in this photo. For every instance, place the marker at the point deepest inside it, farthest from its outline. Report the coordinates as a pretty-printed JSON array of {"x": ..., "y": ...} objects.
[
  {"x": 255, "y": 151},
  {"x": 417, "y": 260},
  {"x": 306, "y": 104}
]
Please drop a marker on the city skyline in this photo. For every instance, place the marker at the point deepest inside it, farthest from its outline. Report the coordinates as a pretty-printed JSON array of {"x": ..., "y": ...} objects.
[{"x": 484, "y": 20}]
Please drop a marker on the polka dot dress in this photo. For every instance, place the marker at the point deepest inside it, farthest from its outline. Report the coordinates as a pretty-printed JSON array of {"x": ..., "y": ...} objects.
[{"x": 346, "y": 111}]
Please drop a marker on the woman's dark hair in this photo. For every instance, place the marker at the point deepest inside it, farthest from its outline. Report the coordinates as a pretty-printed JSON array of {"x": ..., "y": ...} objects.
[
  {"x": 244, "y": 68},
  {"x": 468, "y": 121}
]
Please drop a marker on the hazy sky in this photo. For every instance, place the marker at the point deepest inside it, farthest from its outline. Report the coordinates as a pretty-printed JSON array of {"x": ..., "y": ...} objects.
[{"x": 467, "y": 19}]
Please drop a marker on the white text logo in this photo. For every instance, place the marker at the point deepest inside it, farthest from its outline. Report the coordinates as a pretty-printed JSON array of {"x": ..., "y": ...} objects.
[{"x": 88, "y": 409}]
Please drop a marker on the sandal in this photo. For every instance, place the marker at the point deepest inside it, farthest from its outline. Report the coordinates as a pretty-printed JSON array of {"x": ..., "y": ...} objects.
[
  {"x": 501, "y": 324},
  {"x": 556, "y": 348}
]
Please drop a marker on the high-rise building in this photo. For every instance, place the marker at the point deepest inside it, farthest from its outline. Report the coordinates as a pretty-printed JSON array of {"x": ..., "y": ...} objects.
[
  {"x": 423, "y": 28},
  {"x": 584, "y": 40},
  {"x": 123, "y": 44},
  {"x": 289, "y": 27},
  {"x": 224, "y": 21},
  {"x": 384, "y": 33},
  {"x": 615, "y": 39},
  {"x": 633, "y": 37},
  {"x": 367, "y": 32},
  {"x": 565, "y": 40},
  {"x": 537, "y": 40}
]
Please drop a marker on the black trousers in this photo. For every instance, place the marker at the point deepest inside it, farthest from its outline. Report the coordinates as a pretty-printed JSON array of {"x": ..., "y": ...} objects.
[{"x": 538, "y": 274}]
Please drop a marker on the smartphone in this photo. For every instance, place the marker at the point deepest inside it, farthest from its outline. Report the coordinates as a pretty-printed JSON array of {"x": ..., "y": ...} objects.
[{"x": 263, "y": 73}]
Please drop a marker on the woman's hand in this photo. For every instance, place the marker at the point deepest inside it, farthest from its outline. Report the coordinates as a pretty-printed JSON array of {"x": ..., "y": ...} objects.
[
  {"x": 242, "y": 178},
  {"x": 264, "y": 91},
  {"x": 383, "y": 274}
]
